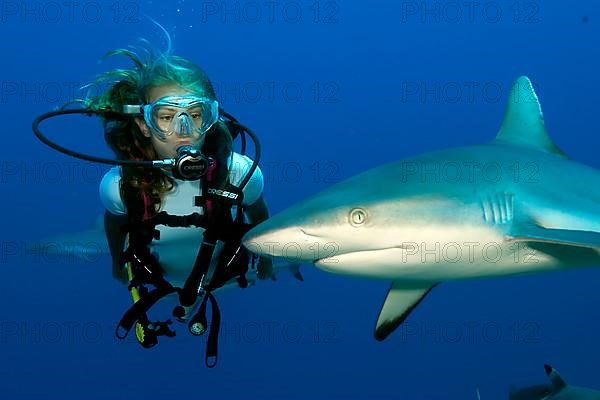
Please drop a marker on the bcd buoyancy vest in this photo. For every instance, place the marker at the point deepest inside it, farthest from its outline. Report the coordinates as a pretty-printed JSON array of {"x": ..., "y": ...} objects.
[{"x": 209, "y": 272}]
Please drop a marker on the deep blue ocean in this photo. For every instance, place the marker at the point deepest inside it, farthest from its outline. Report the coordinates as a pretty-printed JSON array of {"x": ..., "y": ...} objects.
[{"x": 332, "y": 88}]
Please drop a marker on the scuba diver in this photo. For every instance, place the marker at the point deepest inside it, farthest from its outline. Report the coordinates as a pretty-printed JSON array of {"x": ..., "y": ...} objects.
[{"x": 178, "y": 199}]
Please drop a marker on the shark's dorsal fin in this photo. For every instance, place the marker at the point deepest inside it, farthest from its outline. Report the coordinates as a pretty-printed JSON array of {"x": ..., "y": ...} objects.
[
  {"x": 557, "y": 381},
  {"x": 523, "y": 123}
]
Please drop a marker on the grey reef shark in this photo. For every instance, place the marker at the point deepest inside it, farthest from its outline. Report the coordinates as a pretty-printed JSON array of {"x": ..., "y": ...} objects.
[
  {"x": 557, "y": 389},
  {"x": 516, "y": 205}
]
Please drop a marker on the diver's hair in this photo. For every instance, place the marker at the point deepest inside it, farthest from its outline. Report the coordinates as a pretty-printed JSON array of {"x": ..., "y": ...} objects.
[{"x": 124, "y": 137}]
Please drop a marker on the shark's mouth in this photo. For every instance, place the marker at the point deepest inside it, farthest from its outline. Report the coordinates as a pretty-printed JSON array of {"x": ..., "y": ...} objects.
[{"x": 362, "y": 257}]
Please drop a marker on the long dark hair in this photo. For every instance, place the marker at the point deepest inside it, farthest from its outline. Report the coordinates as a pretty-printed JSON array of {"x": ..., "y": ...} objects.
[{"x": 124, "y": 137}]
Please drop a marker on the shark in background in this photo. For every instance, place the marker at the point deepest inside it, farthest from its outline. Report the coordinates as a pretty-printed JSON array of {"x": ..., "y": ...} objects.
[
  {"x": 87, "y": 246},
  {"x": 90, "y": 246},
  {"x": 513, "y": 206},
  {"x": 557, "y": 389}
]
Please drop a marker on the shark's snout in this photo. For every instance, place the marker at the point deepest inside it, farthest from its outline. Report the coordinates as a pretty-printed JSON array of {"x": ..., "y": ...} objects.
[{"x": 292, "y": 243}]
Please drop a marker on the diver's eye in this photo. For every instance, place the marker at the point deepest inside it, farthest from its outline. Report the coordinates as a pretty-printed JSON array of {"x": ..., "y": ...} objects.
[
  {"x": 165, "y": 117},
  {"x": 196, "y": 113},
  {"x": 357, "y": 216}
]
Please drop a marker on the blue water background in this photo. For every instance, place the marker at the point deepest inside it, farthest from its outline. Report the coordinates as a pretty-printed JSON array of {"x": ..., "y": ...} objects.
[{"x": 330, "y": 89}]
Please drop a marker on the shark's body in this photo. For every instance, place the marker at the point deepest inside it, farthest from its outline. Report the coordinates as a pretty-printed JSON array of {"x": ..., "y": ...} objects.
[
  {"x": 558, "y": 389},
  {"x": 517, "y": 205}
]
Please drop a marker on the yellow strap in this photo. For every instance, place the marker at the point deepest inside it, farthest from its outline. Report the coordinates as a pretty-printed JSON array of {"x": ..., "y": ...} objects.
[
  {"x": 139, "y": 329},
  {"x": 134, "y": 292}
]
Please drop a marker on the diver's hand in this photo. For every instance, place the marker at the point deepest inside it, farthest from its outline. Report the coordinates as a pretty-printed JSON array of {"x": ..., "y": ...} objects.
[
  {"x": 265, "y": 268},
  {"x": 120, "y": 273}
]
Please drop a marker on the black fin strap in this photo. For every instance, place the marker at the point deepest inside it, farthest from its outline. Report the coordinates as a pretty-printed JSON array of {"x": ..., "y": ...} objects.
[
  {"x": 140, "y": 308},
  {"x": 212, "y": 344}
]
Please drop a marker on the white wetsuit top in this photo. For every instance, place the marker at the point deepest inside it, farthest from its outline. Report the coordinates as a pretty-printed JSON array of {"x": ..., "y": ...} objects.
[{"x": 177, "y": 247}]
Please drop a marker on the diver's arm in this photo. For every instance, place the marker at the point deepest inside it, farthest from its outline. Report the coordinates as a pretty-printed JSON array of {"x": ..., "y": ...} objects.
[
  {"x": 115, "y": 237},
  {"x": 257, "y": 212}
]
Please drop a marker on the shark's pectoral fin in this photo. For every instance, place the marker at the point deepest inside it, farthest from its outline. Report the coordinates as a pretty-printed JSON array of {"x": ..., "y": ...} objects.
[
  {"x": 530, "y": 232},
  {"x": 401, "y": 299}
]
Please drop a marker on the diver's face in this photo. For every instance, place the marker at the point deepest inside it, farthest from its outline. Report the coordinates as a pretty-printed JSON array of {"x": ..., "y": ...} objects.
[{"x": 167, "y": 148}]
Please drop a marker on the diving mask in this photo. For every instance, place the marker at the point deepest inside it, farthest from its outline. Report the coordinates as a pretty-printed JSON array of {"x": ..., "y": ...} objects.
[{"x": 186, "y": 115}]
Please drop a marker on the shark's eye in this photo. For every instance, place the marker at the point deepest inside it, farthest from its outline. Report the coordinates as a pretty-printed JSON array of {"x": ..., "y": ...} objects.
[{"x": 358, "y": 216}]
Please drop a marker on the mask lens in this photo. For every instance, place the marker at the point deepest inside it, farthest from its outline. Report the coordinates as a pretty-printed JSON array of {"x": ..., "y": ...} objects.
[
  {"x": 184, "y": 116},
  {"x": 162, "y": 118},
  {"x": 169, "y": 120}
]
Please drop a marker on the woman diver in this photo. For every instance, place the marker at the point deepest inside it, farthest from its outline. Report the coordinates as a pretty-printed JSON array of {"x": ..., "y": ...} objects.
[{"x": 180, "y": 236}]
